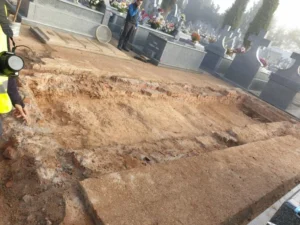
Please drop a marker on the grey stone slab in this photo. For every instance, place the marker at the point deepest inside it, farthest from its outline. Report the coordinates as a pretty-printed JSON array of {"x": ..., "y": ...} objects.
[
  {"x": 223, "y": 66},
  {"x": 211, "y": 61},
  {"x": 277, "y": 95},
  {"x": 172, "y": 54},
  {"x": 154, "y": 47},
  {"x": 68, "y": 16},
  {"x": 182, "y": 57},
  {"x": 265, "y": 217}
]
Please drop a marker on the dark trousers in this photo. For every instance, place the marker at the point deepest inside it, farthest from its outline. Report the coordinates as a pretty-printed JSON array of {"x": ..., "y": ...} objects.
[{"x": 128, "y": 31}]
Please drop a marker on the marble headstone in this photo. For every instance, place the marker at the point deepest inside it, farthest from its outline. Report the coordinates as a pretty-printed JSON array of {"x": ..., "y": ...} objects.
[
  {"x": 283, "y": 85},
  {"x": 216, "y": 51},
  {"x": 245, "y": 66}
]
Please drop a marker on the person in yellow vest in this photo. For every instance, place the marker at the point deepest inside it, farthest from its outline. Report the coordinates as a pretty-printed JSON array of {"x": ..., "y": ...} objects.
[{"x": 9, "y": 95}]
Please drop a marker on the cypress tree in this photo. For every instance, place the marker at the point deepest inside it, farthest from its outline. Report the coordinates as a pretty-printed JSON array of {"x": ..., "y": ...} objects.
[
  {"x": 167, "y": 5},
  {"x": 262, "y": 19},
  {"x": 233, "y": 16}
]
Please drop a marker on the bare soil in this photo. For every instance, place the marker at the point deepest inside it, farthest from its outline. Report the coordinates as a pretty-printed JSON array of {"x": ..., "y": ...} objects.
[{"x": 93, "y": 115}]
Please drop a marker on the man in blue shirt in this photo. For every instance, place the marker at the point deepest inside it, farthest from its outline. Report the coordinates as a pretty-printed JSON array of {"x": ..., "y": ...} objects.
[{"x": 131, "y": 24}]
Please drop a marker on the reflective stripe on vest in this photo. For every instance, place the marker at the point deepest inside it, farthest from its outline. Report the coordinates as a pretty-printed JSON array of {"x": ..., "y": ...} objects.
[{"x": 5, "y": 102}]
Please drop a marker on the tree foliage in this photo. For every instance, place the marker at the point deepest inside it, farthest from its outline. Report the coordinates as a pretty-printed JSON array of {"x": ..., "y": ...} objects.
[
  {"x": 287, "y": 39},
  {"x": 248, "y": 17},
  {"x": 262, "y": 19},
  {"x": 167, "y": 5},
  {"x": 203, "y": 10},
  {"x": 233, "y": 16}
]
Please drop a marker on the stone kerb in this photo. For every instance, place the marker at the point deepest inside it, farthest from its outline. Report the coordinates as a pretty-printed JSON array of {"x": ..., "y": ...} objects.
[
  {"x": 245, "y": 66},
  {"x": 283, "y": 85}
]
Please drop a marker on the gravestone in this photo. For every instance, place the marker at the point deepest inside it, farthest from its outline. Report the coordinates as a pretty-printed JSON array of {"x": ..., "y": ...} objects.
[
  {"x": 216, "y": 51},
  {"x": 283, "y": 85},
  {"x": 245, "y": 66},
  {"x": 168, "y": 52}
]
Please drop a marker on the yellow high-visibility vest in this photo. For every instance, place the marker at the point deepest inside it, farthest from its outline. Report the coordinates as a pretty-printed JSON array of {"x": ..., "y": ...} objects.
[{"x": 5, "y": 102}]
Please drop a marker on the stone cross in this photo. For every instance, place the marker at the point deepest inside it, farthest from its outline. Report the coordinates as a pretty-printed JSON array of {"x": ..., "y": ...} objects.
[{"x": 259, "y": 40}]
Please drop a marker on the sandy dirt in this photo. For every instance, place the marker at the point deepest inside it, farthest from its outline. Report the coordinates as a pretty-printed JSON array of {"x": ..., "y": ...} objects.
[{"x": 93, "y": 115}]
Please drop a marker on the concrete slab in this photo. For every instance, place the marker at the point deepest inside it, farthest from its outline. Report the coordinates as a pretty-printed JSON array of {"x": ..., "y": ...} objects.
[
  {"x": 53, "y": 38},
  {"x": 70, "y": 40},
  {"x": 223, "y": 187},
  {"x": 266, "y": 216}
]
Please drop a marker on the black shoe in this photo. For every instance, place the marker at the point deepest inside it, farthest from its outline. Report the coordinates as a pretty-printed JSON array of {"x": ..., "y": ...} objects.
[
  {"x": 126, "y": 49},
  {"x": 120, "y": 48}
]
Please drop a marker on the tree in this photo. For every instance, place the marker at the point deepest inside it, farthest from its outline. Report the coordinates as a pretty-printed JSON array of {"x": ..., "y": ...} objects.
[
  {"x": 248, "y": 17},
  {"x": 167, "y": 5},
  {"x": 262, "y": 19},
  {"x": 203, "y": 10},
  {"x": 234, "y": 15}
]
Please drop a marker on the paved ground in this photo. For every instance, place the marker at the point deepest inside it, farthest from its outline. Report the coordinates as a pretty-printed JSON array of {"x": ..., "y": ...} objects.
[
  {"x": 57, "y": 38},
  {"x": 114, "y": 66}
]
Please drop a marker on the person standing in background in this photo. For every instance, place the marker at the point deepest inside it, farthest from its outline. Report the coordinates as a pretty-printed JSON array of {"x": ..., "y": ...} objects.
[{"x": 131, "y": 23}]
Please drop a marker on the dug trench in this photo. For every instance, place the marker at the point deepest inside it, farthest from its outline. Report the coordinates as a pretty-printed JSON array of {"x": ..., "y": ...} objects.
[{"x": 85, "y": 126}]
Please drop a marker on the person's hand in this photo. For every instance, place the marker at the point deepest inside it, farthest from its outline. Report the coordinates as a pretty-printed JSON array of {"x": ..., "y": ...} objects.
[{"x": 21, "y": 112}]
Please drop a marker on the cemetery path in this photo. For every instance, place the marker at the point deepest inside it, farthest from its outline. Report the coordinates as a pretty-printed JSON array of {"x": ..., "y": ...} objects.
[{"x": 95, "y": 115}]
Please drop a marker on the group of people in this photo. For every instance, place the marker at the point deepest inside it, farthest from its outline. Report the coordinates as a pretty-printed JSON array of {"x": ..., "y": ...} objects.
[{"x": 9, "y": 95}]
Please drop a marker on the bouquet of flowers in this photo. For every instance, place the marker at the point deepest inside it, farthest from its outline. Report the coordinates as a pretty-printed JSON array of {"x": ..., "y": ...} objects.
[
  {"x": 182, "y": 17},
  {"x": 231, "y": 51},
  {"x": 157, "y": 22},
  {"x": 263, "y": 62},
  {"x": 168, "y": 28},
  {"x": 240, "y": 50},
  {"x": 195, "y": 37},
  {"x": 212, "y": 39},
  {"x": 121, "y": 6},
  {"x": 94, "y": 2}
]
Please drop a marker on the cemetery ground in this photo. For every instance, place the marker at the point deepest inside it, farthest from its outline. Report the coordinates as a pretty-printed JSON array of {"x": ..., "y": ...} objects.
[{"x": 115, "y": 141}]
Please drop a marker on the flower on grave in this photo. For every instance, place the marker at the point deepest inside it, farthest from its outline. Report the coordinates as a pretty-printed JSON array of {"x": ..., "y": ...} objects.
[
  {"x": 157, "y": 22},
  {"x": 230, "y": 51},
  {"x": 168, "y": 28},
  {"x": 121, "y": 6},
  {"x": 94, "y": 2},
  {"x": 263, "y": 62},
  {"x": 160, "y": 10},
  {"x": 240, "y": 50},
  {"x": 195, "y": 37},
  {"x": 183, "y": 17},
  {"x": 212, "y": 39},
  {"x": 154, "y": 23}
]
